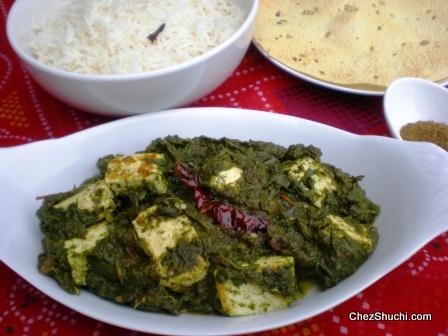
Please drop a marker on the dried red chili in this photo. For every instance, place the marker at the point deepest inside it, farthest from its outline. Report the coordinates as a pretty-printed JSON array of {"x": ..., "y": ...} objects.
[{"x": 224, "y": 215}]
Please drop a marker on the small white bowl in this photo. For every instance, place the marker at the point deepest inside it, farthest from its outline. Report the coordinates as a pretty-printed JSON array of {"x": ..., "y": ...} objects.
[
  {"x": 119, "y": 95},
  {"x": 410, "y": 100}
]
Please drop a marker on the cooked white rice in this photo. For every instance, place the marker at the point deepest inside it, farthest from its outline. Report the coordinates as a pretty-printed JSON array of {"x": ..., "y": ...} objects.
[{"x": 110, "y": 36}]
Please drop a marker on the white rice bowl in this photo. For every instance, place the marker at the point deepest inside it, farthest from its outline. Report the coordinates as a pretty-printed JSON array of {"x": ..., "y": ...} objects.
[{"x": 111, "y": 36}]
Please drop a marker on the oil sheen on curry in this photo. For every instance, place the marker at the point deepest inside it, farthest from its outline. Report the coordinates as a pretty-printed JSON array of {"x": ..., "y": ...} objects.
[{"x": 213, "y": 226}]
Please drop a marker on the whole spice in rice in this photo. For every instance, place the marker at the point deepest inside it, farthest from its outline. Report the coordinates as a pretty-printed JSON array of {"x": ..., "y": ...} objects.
[
  {"x": 428, "y": 131},
  {"x": 153, "y": 36}
]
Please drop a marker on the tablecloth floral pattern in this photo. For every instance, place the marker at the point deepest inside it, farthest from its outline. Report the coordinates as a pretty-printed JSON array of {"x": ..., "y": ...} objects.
[{"x": 419, "y": 285}]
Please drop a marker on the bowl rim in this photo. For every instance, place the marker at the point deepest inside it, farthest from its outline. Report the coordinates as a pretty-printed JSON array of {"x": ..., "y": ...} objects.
[{"x": 31, "y": 61}]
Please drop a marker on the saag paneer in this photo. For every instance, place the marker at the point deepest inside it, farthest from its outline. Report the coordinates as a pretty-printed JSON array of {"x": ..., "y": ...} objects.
[{"x": 208, "y": 226}]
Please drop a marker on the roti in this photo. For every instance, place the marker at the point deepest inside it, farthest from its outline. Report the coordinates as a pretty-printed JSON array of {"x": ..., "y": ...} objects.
[{"x": 356, "y": 43}]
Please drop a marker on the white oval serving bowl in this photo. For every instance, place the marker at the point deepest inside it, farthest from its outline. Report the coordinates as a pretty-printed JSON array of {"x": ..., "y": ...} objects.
[
  {"x": 409, "y": 100},
  {"x": 408, "y": 180},
  {"x": 119, "y": 95}
]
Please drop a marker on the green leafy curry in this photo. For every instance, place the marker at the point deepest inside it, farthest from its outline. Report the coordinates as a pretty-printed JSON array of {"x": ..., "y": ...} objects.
[{"x": 208, "y": 226}]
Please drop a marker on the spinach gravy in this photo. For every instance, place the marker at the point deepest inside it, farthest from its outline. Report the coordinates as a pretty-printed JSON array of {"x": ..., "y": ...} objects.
[{"x": 214, "y": 226}]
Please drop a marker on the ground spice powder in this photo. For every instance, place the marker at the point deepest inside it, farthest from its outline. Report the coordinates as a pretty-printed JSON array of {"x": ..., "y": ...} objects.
[{"x": 428, "y": 131}]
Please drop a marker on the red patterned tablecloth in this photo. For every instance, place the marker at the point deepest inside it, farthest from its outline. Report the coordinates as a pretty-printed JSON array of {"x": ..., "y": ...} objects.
[{"x": 419, "y": 285}]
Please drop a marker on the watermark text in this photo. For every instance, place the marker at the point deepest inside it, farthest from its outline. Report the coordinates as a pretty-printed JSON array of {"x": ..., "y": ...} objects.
[{"x": 382, "y": 316}]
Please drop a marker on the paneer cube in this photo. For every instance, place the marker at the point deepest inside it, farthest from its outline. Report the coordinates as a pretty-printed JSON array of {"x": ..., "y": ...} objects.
[
  {"x": 261, "y": 293},
  {"x": 226, "y": 179},
  {"x": 158, "y": 235},
  {"x": 95, "y": 198},
  {"x": 274, "y": 262},
  {"x": 339, "y": 228},
  {"x": 134, "y": 171},
  {"x": 78, "y": 248},
  {"x": 348, "y": 243},
  {"x": 322, "y": 178},
  {"x": 247, "y": 299}
]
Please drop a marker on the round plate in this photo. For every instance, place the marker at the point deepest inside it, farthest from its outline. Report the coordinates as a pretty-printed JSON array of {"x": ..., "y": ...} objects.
[
  {"x": 325, "y": 84},
  {"x": 315, "y": 80}
]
